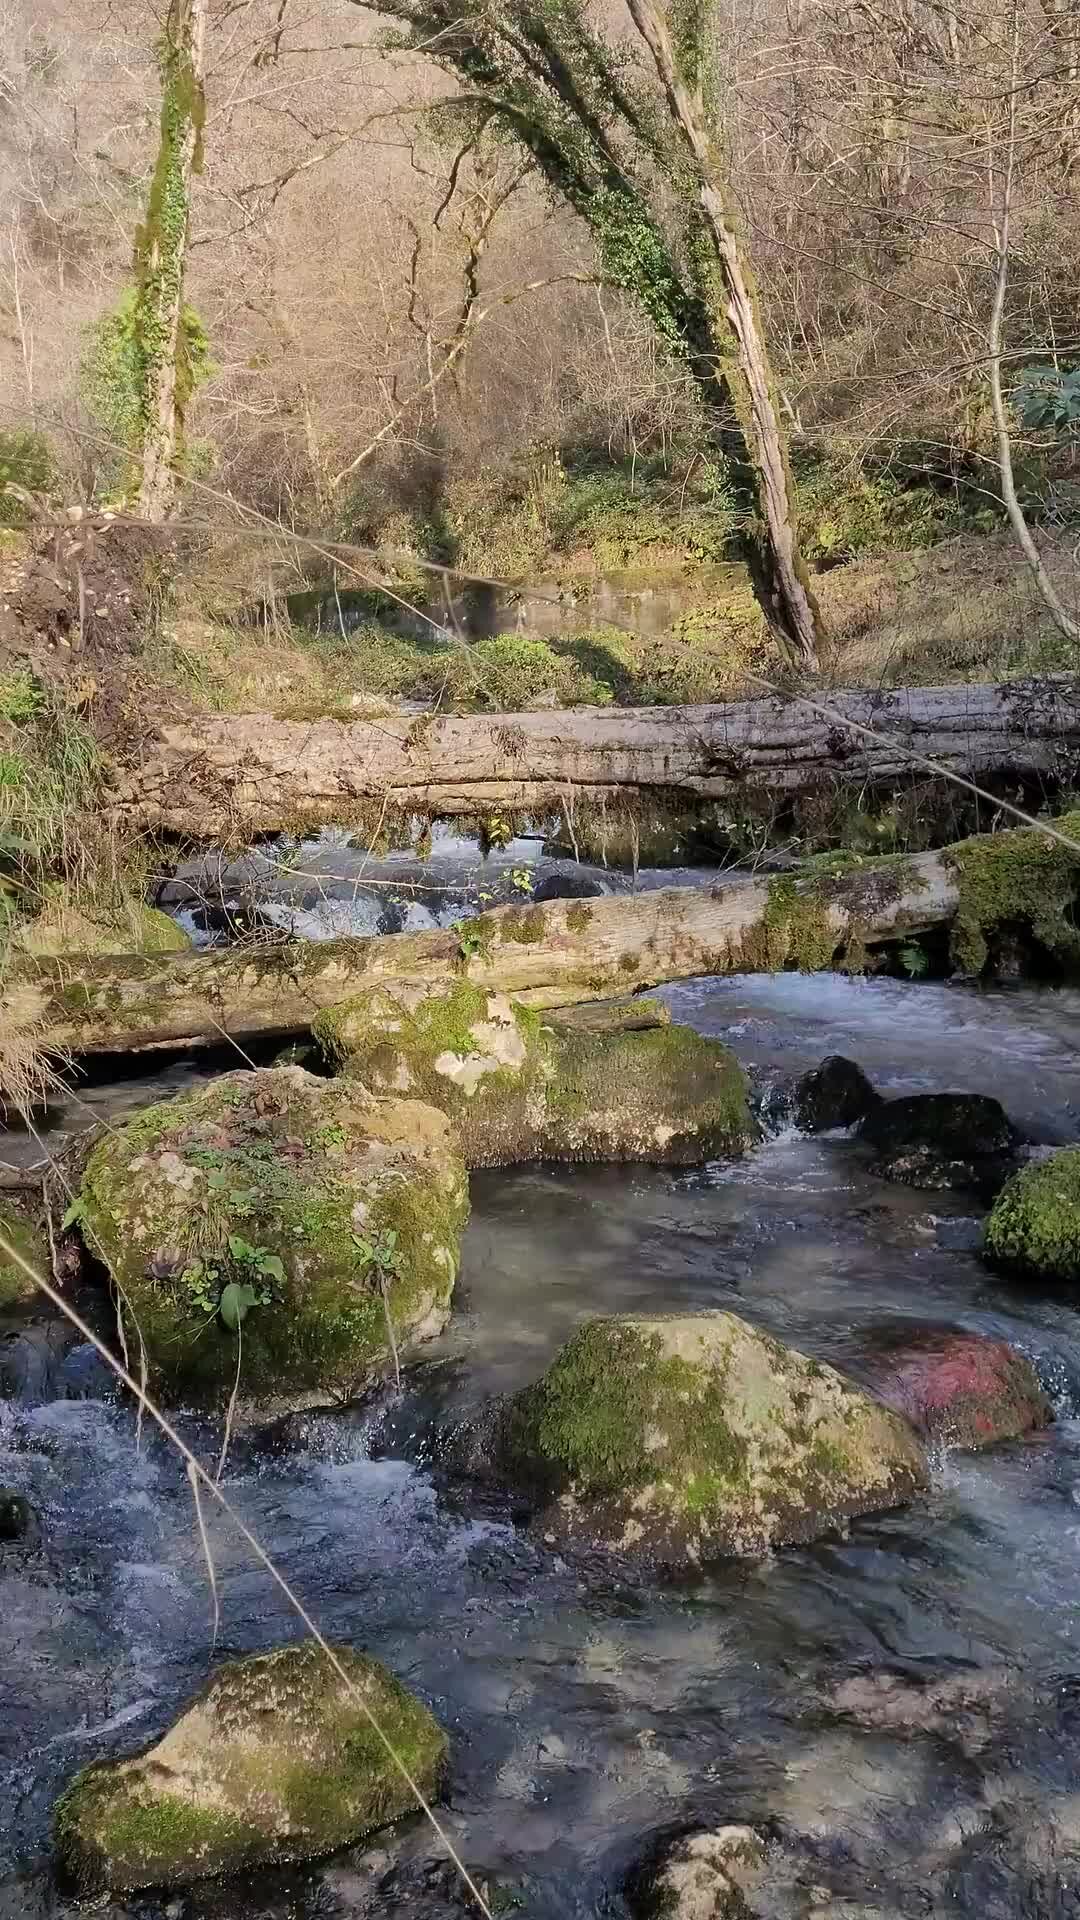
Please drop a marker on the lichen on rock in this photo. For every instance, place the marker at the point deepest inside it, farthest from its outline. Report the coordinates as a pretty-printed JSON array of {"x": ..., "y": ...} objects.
[
  {"x": 684, "y": 1438},
  {"x": 1034, "y": 1227},
  {"x": 275, "y": 1761},
  {"x": 519, "y": 1085},
  {"x": 283, "y": 1183},
  {"x": 17, "y": 1290}
]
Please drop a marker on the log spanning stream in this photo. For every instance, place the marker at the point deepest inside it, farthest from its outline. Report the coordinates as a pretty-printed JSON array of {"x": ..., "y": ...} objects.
[{"x": 587, "y": 1717}]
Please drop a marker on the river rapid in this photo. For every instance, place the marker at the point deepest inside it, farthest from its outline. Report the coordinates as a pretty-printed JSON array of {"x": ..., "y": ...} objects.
[{"x": 587, "y": 1717}]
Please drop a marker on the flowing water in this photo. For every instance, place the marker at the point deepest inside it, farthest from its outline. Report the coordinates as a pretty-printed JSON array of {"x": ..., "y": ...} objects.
[{"x": 587, "y": 1716}]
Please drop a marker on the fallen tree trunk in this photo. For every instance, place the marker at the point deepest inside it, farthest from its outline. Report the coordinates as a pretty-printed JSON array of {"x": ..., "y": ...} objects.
[
  {"x": 564, "y": 952},
  {"x": 229, "y": 778}
]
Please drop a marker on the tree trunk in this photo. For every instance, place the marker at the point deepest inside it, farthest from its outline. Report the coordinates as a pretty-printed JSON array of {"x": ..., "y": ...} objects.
[
  {"x": 781, "y": 578},
  {"x": 229, "y": 778},
  {"x": 161, "y": 256},
  {"x": 565, "y": 952}
]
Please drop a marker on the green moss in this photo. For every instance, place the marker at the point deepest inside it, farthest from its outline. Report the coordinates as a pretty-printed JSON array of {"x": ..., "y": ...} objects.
[
  {"x": 522, "y": 924},
  {"x": 275, "y": 1761},
  {"x": 1035, "y": 1222},
  {"x": 1022, "y": 880},
  {"x": 23, "y": 1233},
  {"x": 579, "y": 916},
  {"x": 258, "y": 1157}
]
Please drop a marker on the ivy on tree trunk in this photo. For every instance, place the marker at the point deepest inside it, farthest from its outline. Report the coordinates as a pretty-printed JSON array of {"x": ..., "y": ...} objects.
[{"x": 162, "y": 343}]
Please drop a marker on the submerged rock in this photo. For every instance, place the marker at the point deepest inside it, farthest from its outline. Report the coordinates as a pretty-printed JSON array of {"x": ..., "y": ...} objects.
[
  {"x": 707, "y": 1875},
  {"x": 18, "y": 1226},
  {"x": 17, "y": 1519},
  {"x": 943, "y": 1140},
  {"x": 304, "y": 1216},
  {"x": 521, "y": 1085},
  {"x": 684, "y": 1438},
  {"x": 275, "y": 1761},
  {"x": 835, "y": 1094},
  {"x": 957, "y": 1389},
  {"x": 1034, "y": 1227}
]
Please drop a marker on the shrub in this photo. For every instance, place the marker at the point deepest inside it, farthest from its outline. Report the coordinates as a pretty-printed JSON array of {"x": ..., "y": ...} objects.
[{"x": 25, "y": 461}]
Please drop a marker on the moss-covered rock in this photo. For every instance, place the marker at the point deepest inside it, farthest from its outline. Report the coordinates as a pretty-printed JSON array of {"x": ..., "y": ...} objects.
[
  {"x": 1035, "y": 1223},
  {"x": 274, "y": 1761},
  {"x": 133, "y": 928},
  {"x": 685, "y": 1438},
  {"x": 332, "y": 1215},
  {"x": 1019, "y": 883},
  {"x": 20, "y": 1229},
  {"x": 519, "y": 1085}
]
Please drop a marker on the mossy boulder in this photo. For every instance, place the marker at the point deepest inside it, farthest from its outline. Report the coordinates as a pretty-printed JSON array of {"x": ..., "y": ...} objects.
[
  {"x": 684, "y": 1438},
  {"x": 19, "y": 1228},
  {"x": 339, "y": 1212},
  {"x": 274, "y": 1761},
  {"x": 1034, "y": 1227},
  {"x": 520, "y": 1085},
  {"x": 133, "y": 928}
]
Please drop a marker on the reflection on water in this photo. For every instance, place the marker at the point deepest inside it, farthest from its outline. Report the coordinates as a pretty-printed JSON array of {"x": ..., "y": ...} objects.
[{"x": 586, "y": 1716}]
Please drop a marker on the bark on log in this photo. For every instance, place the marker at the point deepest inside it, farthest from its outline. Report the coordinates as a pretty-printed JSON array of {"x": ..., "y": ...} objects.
[
  {"x": 563, "y": 953},
  {"x": 228, "y": 777}
]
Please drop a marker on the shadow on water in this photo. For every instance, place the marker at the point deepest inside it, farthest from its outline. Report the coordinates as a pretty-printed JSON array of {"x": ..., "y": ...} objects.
[{"x": 587, "y": 1716}]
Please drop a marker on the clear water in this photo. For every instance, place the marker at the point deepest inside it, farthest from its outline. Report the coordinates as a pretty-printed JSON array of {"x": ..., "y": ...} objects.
[{"x": 587, "y": 1716}]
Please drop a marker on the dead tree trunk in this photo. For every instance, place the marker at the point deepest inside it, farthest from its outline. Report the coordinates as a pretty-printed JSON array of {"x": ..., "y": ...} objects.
[{"x": 229, "y": 778}]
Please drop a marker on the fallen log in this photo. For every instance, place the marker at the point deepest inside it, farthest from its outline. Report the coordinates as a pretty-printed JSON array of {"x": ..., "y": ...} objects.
[
  {"x": 570, "y": 951},
  {"x": 229, "y": 778},
  {"x": 564, "y": 952}
]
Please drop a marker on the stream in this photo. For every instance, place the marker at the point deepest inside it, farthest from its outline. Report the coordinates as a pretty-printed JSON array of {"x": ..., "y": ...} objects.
[{"x": 588, "y": 1716}]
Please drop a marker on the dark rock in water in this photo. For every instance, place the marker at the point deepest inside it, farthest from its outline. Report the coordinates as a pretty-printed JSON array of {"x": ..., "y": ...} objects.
[
  {"x": 835, "y": 1094},
  {"x": 958, "y": 1389},
  {"x": 17, "y": 1521},
  {"x": 705, "y": 1875},
  {"x": 568, "y": 886},
  {"x": 299, "y": 1053},
  {"x": 31, "y": 1363},
  {"x": 942, "y": 1141}
]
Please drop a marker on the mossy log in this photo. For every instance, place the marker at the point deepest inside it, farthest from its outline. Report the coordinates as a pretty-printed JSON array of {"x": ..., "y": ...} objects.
[
  {"x": 567, "y": 951},
  {"x": 226, "y": 777}
]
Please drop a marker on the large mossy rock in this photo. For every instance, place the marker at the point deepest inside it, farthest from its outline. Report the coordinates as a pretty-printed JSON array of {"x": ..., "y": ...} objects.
[
  {"x": 519, "y": 1085},
  {"x": 685, "y": 1438},
  {"x": 280, "y": 1182},
  {"x": 274, "y": 1761},
  {"x": 17, "y": 1290},
  {"x": 1034, "y": 1227}
]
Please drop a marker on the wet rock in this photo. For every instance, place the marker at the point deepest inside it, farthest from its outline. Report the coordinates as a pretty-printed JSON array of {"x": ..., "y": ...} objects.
[
  {"x": 17, "y": 1518},
  {"x": 943, "y": 1140},
  {"x": 1034, "y": 1228},
  {"x": 957, "y": 1389},
  {"x": 708, "y": 1875},
  {"x": 274, "y": 1761},
  {"x": 314, "y": 1213},
  {"x": 20, "y": 1228},
  {"x": 966, "y": 1707},
  {"x": 835, "y": 1094},
  {"x": 32, "y": 1363},
  {"x": 684, "y": 1438},
  {"x": 521, "y": 1086},
  {"x": 568, "y": 886}
]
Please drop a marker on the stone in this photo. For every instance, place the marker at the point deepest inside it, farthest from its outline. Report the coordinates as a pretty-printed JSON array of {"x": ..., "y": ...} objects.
[
  {"x": 680, "y": 1439},
  {"x": 942, "y": 1141},
  {"x": 567, "y": 886},
  {"x": 17, "y": 1518},
  {"x": 957, "y": 1389},
  {"x": 304, "y": 1217},
  {"x": 519, "y": 1085},
  {"x": 835, "y": 1094},
  {"x": 1034, "y": 1227},
  {"x": 19, "y": 1227},
  {"x": 704, "y": 1875},
  {"x": 275, "y": 1761}
]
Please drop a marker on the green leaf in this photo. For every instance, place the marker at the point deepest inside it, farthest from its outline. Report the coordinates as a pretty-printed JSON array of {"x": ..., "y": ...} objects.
[
  {"x": 240, "y": 1248},
  {"x": 75, "y": 1212},
  {"x": 270, "y": 1264},
  {"x": 236, "y": 1300}
]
